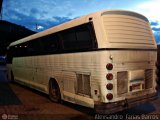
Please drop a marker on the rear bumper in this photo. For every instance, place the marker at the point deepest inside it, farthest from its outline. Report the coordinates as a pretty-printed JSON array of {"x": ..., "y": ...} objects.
[{"x": 108, "y": 108}]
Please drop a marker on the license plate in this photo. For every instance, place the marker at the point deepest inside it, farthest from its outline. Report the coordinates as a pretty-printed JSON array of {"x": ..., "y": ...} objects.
[{"x": 136, "y": 86}]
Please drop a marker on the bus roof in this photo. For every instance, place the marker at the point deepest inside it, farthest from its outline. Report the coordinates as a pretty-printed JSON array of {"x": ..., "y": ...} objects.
[{"x": 70, "y": 24}]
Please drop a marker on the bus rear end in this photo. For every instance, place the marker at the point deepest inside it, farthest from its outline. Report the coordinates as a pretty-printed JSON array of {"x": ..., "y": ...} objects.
[{"x": 130, "y": 55}]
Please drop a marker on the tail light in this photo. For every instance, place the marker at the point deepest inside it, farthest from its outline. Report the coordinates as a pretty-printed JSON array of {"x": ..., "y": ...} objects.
[
  {"x": 109, "y": 86},
  {"x": 109, "y": 66},
  {"x": 109, "y": 96},
  {"x": 109, "y": 76}
]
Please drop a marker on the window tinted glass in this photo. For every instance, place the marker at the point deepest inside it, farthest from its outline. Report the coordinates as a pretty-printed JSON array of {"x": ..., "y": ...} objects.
[
  {"x": 50, "y": 44},
  {"x": 34, "y": 47},
  {"x": 78, "y": 38},
  {"x": 69, "y": 39},
  {"x": 83, "y": 37}
]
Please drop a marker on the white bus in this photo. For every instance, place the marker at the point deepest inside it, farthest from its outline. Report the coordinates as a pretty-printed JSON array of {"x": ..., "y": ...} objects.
[{"x": 104, "y": 60}]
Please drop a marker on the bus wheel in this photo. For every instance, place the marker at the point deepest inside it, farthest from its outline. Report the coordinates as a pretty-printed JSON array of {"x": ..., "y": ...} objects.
[{"x": 54, "y": 91}]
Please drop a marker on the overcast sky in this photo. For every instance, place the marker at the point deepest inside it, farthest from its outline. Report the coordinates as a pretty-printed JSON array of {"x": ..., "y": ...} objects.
[{"x": 48, "y": 13}]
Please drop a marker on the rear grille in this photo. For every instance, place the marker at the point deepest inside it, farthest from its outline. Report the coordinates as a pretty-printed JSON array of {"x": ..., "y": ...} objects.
[
  {"x": 148, "y": 78},
  {"x": 122, "y": 82},
  {"x": 83, "y": 84},
  {"x": 87, "y": 89},
  {"x": 124, "y": 29},
  {"x": 79, "y": 83}
]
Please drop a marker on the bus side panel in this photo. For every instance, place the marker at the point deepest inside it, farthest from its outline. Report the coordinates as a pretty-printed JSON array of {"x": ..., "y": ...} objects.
[{"x": 23, "y": 69}]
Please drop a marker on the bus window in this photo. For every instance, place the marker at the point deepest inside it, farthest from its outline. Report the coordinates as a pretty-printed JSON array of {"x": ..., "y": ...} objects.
[
  {"x": 50, "y": 43},
  {"x": 77, "y": 38},
  {"x": 83, "y": 37},
  {"x": 69, "y": 39},
  {"x": 34, "y": 47}
]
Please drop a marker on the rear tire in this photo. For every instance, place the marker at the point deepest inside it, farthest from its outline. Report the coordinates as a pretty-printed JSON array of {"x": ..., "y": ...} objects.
[{"x": 54, "y": 91}]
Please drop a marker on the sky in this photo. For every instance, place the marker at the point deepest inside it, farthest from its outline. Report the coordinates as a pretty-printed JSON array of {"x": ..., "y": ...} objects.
[{"x": 48, "y": 13}]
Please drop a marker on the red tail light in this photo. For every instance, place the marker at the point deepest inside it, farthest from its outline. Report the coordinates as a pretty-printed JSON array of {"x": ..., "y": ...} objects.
[
  {"x": 109, "y": 66},
  {"x": 109, "y": 86},
  {"x": 109, "y": 96},
  {"x": 109, "y": 76}
]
